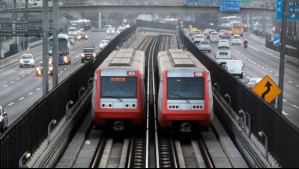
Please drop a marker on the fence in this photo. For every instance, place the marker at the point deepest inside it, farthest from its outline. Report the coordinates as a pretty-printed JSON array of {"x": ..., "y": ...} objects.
[
  {"x": 293, "y": 52},
  {"x": 30, "y": 130},
  {"x": 283, "y": 136}
]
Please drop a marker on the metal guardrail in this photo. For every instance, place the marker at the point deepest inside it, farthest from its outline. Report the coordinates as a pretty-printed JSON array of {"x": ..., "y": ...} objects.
[
  {"x": 31, "y": 129},
  {"x": 14, "y": 58},
  {"x": 283, "y": 135}
]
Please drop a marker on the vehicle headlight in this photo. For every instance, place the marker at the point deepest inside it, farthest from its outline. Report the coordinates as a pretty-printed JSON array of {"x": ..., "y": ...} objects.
[
  {"x": 65, "y": 59},
  {"x": 82, "y": 54},
  {"x": 1, "y": 118},
  {"x": 94, "y": 55},
  {"x": 51, "y": 68}
]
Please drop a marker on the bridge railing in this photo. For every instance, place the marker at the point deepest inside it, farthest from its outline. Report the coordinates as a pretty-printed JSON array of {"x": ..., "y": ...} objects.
[
  {"x": 283, "y": 135},
  {"x": 30, "y": 130}
]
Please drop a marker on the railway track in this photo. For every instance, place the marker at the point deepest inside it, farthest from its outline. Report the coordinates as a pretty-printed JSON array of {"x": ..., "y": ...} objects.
[{"x": 151, "y": 147}]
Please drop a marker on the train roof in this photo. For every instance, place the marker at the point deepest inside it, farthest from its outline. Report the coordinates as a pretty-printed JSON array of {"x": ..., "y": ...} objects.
[
  {"x": 177, "y": 58},
  {"x": 125, "y": 58}
]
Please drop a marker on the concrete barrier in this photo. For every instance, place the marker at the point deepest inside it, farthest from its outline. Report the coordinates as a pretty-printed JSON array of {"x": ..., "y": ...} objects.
[{"x": 15, "y": 58}]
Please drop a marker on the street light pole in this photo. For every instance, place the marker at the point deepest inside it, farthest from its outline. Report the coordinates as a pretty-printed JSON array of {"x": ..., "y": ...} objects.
[
  {"x": 45, "y": 47},
  {"x": 282, "y": 54},
  {"x": 55, "y": 44}
]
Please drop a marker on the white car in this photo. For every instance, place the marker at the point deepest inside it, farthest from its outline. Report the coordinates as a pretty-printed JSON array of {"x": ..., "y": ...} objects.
[
  {"x": 235, "y": 67},
  {"x": 215, "y": 39},
  {"x": 3, "y": 119},
  {"x": 27, "y": 60},
  {"x": 199, "y": 38},
  {"x": 223, "y": 44},
  {"x": 103, "y": 44},
  {"x": 205, "y": 46},
  {"x": 120, "y": 30},
  {"x": 237, "y": 40},
  {"x": 198, "y": 32},
  {"x": 253, "y": 82},
  {"x": 110, "y": 31}
]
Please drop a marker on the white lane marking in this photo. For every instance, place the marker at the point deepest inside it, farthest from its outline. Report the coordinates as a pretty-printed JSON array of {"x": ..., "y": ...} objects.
[
  {"x": 284, "y": 113},
  {"x": 266, "y": 69},
  {"x": 30, "y": 94},
  {"x": 69, "y": 66},
  {"x": 284, "y": 100},
  {"x": 276, "y": 75},
  {"x": 270, "y": 71},
  {"x": 28, "y": 73},
  {"x": 296, "y": 106},
  {"x": 23, "y": 75},
  {"x": 291, "y": 82},
  {"x": 12, "y": 82},
  {"x": 64, "y": 69},
  {"x": 38, "y": 89},
  {"x": 11, "y": 104},
  {"x": 5, "y": 86},
  {"x": 248, "y": 77},
  {"x": 297, "y": 85},
  {"x": 17, "y": 79},
  {"x": 22, "y": 98}
]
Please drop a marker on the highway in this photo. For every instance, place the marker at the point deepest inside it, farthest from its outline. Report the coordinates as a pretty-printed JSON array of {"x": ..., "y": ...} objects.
[
  {"x": 258, "y": 64},
  {"x": 20, "y": 88}
]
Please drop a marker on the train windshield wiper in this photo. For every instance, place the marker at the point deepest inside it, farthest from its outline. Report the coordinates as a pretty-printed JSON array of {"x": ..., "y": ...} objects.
[
  {"x": 180, "y": 96},
  {"x": 114, "y": 97}
]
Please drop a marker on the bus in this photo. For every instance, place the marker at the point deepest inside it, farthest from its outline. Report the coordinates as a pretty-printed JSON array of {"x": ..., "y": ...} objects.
[
  {"x": 63, "y": 49},
  {"x": 229, "y": 20},
  {"x": 237, "y": 29}
]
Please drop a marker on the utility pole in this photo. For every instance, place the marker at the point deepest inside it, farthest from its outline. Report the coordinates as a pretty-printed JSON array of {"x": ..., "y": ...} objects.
[
  {"x": 55, "y": 43},
  {"x": 45, "y": 47},
  {"x": 282, "y": 54},
  {"x": 26, "y": 18}
]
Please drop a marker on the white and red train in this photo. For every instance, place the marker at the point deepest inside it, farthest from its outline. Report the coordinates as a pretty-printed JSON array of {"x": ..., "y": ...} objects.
[
  {"x": 119, "y": 96},
  {"x": 185, "y": 97}
]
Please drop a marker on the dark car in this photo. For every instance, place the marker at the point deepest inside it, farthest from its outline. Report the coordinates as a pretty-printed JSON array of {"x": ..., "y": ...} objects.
[
  {"x": 84, "y": 36},
  {"x": 88, "y": 54},
  {"x": 3, "y": 119},
  {"x": 226, "y": 35}
]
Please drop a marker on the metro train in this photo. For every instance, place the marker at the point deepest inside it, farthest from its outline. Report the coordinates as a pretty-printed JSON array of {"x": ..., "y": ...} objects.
[
  {"x": 185, "y": 100},
  {"x": 119, "y": 96}
]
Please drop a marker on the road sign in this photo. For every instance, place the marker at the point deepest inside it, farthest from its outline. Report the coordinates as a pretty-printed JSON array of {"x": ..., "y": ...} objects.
[
  {"x": 291, "y": 16},
  {"x": 277, "y": 40},
  {"x": 267, "y": 89},
  {"x": 230, "y": 5}
]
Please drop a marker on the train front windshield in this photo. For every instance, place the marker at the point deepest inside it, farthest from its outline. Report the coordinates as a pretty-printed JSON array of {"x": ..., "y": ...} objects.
[
  {"x": 185, "y": 88},
  {"x": 119, "y": 87}
]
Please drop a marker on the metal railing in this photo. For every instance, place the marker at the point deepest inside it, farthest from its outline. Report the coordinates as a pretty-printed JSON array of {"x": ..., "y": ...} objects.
[
  {"x": 283, "y": 136},
  {"x": 31, "y": 129}
]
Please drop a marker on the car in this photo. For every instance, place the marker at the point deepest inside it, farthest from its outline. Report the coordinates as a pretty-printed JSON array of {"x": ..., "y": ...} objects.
[
  {"x": 3, "y": 119},
  {"x": 223, "y": 44},
  {"x": 84, "y": 36},
  {"x": 221, "y": 33},
  {"x": 39, "y": 69},
  {"x": 214, "y": 38},
  {"x": 88, "y": 54},
  {"x": 222, "y": 56},
  {"x": 198, "y": 32},
  {"x": 27, "y": 60},
  {"x": 103, "y": 44},
  {"x": 110, "y": 31},
  {"x": 106, "y": 27},
  {"x": 253, "y": 82},
  {"x": 235, "y": 67},
  {"x": 71, "y": 40},
  {"x": 226, "y": 35},
  {"x": 120, "y": 30},
  {"x": 199, "y": 38},
  {"x": 237, "y": 40},
  {"x": 205, "y": 46}
]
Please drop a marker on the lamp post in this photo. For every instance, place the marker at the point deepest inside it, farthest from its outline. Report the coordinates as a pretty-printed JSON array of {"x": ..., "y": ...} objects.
[
  {"x": 25, "y": 156},
  {"x": 80, "y": 91},
  {"x": 244, "y": 125},
  {"x": 262, "y": 134},
  {"x": 230, "y": 102},
  {"x": 67, "y": 109},
  {"x": 53, "y": 122}
]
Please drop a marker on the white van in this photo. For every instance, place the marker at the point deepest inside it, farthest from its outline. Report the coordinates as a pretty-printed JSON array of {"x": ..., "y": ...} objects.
[
  {"x": 237, "y": 40},
  {"x": 222, "y": 56},
  {"x": 235, "y": 67}
]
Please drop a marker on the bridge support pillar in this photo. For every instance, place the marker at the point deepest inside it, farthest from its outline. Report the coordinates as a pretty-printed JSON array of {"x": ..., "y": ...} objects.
[{"x": 100, "y": 20}]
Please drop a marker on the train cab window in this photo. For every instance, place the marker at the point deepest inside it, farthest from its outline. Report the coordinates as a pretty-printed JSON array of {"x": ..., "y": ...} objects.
[
  {"x": 185, "y": 88},
  {"x": 119, "y": 87}
]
